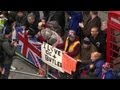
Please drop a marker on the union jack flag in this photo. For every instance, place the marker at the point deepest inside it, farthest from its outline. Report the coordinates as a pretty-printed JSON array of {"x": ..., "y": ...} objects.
[{"x": 30, "y": 48}]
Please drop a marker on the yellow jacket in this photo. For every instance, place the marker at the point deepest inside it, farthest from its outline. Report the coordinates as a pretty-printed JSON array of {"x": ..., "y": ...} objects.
[{"x": 72, "y": 47}]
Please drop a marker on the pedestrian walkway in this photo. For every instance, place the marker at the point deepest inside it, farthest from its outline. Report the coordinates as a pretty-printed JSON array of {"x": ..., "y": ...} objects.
[{"x": 23, "y": 70}]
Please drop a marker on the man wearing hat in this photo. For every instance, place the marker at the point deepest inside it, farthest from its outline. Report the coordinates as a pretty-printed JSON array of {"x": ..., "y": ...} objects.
[
  {"x": 71, "y": 45},
  {"x": 85, "y": 53},
  {"x": 86, "y": 49}
]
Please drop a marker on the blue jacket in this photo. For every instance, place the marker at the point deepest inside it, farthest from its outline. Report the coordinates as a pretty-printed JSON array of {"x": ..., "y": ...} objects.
[
  {"x": 98, "y": 67},
  {"x": 76, "y": 17},
  {"x": 110, "y": 75}
]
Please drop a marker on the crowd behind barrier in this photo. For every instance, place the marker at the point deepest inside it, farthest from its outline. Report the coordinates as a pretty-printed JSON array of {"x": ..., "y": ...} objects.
[{"x": 66, "y": 44}]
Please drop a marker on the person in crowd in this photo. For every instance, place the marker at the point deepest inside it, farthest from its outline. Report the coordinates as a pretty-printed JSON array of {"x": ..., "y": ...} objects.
[
  {"x": 75, "y": 17},
  {"x": 5, "y": 13},
  {"x": 86, "y": 16},
  {"x": 86, "y": 49},
  {"x": 21, "y": 18},
  {"x": 41, "y": 25},
  {"x": 104, "y": 28},
  {"x": 94, "y": 68},
  {"x": 9, "y": 48},
  {"x": 36, "y": 14},
  {"x": 71, "y": 46},
  {"x": 107, "y": 72},
  {"x": 11, "y": 25},
  {"x": 93, "y": 21},
  {"x": 59, "y": 17},
  {"x": 85, "y": 54},
  {"x": 98, "y": 39},
  {"x": 2, "y": 23},
  {"x": 31, "y": 25},
  {"x": 53, "y": 25},
  {"x": 51, "y": 37},
  {"x": 3, "y": 20}
]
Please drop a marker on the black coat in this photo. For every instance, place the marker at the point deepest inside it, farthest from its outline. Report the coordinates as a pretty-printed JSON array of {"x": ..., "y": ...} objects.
[
  {"x": 36, "y": 13},
  {"x": 32, "y": 28},
  {"x": 99, "y": 42},
  {"x": 58, "y": 16},
  {"x": 90, "y": 23},
  {"x": 20, "y": 21},
  {"x": 46, "y": 15}
]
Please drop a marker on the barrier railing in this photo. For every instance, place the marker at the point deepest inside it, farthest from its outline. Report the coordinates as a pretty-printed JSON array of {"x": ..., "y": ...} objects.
[{"x": 35, "y": 52}]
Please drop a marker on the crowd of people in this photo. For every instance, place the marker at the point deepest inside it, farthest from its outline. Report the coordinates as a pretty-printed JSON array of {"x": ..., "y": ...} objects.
[{"x": 80, "y": 34}]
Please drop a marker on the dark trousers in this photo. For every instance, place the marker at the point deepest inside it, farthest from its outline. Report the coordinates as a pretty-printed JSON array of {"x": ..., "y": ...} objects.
[
  {"x": 79, "y": 70},
  {"x": 65, "y": 76},
  {"x": 75, "y": 75},
  {"x": 7, "y": 71}
]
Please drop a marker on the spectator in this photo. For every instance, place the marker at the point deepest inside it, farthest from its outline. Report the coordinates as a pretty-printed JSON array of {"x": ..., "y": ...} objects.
[
  {"x": 3, "y": 21},
  {"x": 59, "y": 17},
  {"x": 36, "y": 14},
  {"x": 107, "y": 72},
  {"x": 21, "y": 18},
  {"x": 86, "y": 16},
  {"x": 5, "y": 13},
  {"x": 9, "y": 24},
  {"x": 11, "y": 14},
  {"x": 71, "y": 45},
  {"x": 9, "y": 48},
  {"x": 51, "y": 37},
  {"x": 93, "y": 21},
  {"x": 94, "y": 69},
  {"x": 41, "y": 25},
  {"x": 31, "y": 25},
  {"x": 53, "y": 25},
  {"x": 86, "y": 49},
  {"x": 98, "y": 39},
  {"x": 75, "y": 17},
  {"x": 104, "y": 28}
]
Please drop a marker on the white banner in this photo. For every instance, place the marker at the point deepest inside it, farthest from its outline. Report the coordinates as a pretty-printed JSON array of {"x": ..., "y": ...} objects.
[{"x": 52, "y": 56}]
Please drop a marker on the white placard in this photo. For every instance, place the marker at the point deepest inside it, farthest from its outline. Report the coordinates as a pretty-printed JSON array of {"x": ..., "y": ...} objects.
[{"x": 52, "y": 56}]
